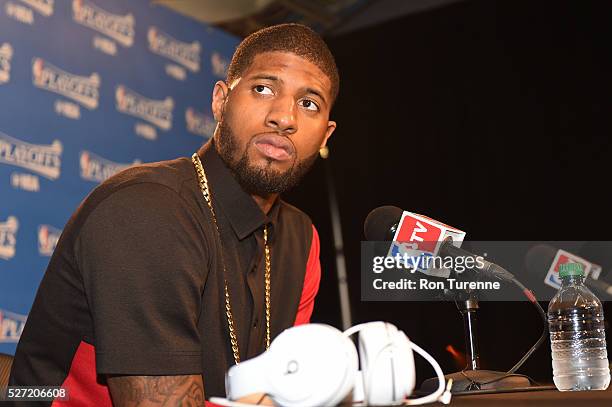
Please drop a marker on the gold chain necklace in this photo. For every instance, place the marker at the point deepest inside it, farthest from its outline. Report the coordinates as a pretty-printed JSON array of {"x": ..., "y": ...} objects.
[{"x": 203, "y": 181}]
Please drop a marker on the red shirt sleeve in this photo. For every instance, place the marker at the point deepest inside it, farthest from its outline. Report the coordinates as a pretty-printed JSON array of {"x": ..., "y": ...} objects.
[{"x": 311, "y": 282}]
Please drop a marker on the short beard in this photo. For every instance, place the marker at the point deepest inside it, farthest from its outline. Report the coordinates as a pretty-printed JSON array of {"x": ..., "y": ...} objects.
[{"x": 261, "y": 181}]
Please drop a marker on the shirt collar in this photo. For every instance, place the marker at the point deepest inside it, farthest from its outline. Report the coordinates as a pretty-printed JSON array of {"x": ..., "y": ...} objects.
[{"x": 241, "y": 210}]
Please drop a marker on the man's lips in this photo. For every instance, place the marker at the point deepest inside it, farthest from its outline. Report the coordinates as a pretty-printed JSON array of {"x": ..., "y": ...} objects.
[{"x": 273, "y": 146}]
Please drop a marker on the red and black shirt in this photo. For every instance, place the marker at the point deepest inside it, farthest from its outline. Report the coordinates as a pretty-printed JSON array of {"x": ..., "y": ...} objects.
[{"x": 135, "y": 285}]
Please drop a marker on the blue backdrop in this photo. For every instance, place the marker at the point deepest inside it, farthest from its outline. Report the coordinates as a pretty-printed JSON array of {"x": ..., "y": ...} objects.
[{"x": 88, "y": 88}]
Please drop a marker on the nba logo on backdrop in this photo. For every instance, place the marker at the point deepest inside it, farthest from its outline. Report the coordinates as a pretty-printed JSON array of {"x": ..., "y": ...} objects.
[
  {"x": 119, "y": 28},
  {"x": 11, "y": 326},
  {"x": 41, "y": 159},
  {"x": 48, "y": 237},
  {"x": 25, "y": 182},
  {"x": 8, "y": 240},
  {"x": 6, "y": 53}
]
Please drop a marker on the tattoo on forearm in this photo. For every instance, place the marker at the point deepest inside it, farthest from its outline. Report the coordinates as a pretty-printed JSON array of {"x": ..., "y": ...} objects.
[{"x": 164, "y": 391}]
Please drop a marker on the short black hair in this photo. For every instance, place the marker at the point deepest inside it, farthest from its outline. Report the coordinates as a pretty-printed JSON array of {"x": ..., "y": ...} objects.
[{"x": 294, "y": 38}]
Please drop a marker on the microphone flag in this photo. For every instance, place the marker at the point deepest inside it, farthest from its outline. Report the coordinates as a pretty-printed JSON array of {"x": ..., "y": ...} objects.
[{"x": 420, "y": 236}]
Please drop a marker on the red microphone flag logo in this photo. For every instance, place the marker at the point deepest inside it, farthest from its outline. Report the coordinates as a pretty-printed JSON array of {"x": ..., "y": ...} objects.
[
  {"x": 423, "y": 235},
  {"x": 419, "y": 236}
]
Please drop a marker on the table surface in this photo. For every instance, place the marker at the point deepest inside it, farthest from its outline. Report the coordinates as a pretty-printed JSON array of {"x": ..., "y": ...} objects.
[{"x": 536, "y": 398}]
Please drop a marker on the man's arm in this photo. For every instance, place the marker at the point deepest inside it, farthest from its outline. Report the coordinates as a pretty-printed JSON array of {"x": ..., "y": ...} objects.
[
  {"x": 311, "y": 282},
  {"x": 149, "y": 391},
  {"x": 140, "y": 253}
]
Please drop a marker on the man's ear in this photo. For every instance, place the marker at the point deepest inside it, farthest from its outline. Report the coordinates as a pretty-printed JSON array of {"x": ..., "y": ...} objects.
[
  {"x": 331, "y": 126},
  {"x": 219, "y": 97}
]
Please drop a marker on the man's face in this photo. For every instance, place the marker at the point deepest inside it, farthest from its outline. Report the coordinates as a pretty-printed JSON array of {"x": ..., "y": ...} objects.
[{"x": 273, "y": 121}]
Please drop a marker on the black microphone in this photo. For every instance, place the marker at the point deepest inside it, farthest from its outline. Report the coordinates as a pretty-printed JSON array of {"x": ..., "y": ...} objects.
[
  {"x": 599, "y": 252},
  {"x": 382, "y": 223},
  {"x": 540, "y": 257}
]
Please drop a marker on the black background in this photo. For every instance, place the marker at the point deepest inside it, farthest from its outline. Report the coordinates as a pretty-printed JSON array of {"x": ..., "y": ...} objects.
[{"x": 491, "y": 116}]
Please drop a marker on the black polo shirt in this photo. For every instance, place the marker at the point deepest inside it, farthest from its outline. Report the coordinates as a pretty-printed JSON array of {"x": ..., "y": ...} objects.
[{"x": 135, "y": 285}]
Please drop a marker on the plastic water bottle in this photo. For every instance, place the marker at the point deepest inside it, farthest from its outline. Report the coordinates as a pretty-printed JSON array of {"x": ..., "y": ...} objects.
[{"x": 577, "y": 334}]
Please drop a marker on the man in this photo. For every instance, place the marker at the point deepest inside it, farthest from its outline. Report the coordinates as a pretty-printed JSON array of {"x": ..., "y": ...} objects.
[{"x": 161, "y": 260}]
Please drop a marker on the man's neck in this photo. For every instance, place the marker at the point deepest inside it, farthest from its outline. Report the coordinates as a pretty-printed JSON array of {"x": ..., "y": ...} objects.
[{"x": 265, "y": 202}]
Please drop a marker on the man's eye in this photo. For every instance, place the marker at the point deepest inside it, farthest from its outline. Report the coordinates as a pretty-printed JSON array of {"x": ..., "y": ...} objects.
[
  {"x": 309, "y": 104},
  {"x": 263, "y": 90}
]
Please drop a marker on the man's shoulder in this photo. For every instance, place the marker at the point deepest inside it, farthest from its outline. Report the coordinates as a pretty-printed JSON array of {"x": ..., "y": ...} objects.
[
  {"x": 289, "y": 211},
  {"x": 151, "y": 186},
  {"x": 296, "y": 220},
  {"x": 171, "y": 174}
]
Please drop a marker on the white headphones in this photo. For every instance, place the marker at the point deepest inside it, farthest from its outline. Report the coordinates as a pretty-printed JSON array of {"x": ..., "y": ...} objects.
[
  {"x": 387, "y": 365},
  {"x": 317, "y": 365}
]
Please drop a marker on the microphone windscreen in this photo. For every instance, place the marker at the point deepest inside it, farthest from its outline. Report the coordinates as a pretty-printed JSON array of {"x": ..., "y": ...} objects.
[
  {"x": 379, "y": 222},
  {"x": 599, "y": 252},
  {"x": 539, "y": 258}
]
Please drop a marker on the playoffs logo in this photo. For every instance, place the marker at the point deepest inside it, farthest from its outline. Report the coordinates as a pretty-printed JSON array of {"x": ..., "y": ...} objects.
[
  {"x": 48, "y": 237},
  {"x": 6, "y": 53},
  {"x": 43, "y": 160},
  {"x": 119, "y": 28},
  {"x": 8, "y": 241},
  {"x": 11, "y": 326},
  {"x": 157, "y": 112},
  {"x": 82, "y": 89},
  {"x": 186, "y": 54},
  {"x": 44, "y": 7},
  {"x": 97, "y": 169},
  {"x": 199, "y": 123}
]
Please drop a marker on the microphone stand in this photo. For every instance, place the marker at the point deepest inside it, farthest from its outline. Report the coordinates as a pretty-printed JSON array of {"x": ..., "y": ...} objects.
[
  {"x": 468, "y": 309},
  {"x": 472, "y": 378}
]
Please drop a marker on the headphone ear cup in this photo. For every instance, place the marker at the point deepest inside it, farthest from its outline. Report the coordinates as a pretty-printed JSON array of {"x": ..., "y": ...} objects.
[
  {"x": 311, "y": 365},
  {"x": 387, "y": 363},
  {"x": 405, "y": 371}
]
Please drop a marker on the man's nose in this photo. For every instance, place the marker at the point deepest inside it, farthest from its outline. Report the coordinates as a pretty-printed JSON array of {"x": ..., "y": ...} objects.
[{"x": 282, "y": 116}]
